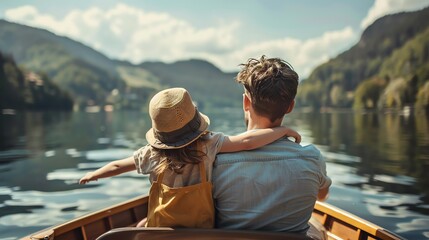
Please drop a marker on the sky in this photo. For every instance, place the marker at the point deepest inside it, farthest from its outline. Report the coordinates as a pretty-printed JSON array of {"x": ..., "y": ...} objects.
[{"x": 226, "y": 33}]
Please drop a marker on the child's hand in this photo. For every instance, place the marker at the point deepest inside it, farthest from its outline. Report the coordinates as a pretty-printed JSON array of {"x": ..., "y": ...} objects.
[
  {"x": 87, "y": 178},
  {"x": 292, "y": 133}
]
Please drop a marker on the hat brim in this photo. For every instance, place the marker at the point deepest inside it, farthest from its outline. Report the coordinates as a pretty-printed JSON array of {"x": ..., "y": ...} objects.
[{"x": 185, "y": 140}]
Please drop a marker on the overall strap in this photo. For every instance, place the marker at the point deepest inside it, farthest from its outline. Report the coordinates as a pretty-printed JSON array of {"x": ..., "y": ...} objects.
[
  {"x": 201, "y": 165},
  {"x": 160, "y": 177},
  {"x": 202, "y": 171}
]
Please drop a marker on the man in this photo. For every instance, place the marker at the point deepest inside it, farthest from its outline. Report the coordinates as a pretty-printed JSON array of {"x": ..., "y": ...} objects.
[{"x": 273, "y": 188}]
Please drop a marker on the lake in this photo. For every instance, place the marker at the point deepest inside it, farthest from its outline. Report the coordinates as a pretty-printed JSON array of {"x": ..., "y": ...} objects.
[{"x": 379, "y": 164}]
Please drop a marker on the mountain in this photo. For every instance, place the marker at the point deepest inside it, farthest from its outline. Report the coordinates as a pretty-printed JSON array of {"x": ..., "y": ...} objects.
[
  {"x": 22, "y": 41},
  {"x": 386, "y": 68},
  {"x": 91, "y": 78},
  {"x": 20, "y": 89},
  {"x": 87, "y": 75},
  {"x": 202, "y": 79}
]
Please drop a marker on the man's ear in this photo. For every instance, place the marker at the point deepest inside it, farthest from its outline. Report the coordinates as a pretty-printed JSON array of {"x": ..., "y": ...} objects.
[
  {"x": 246, "y": 103},
  {"x": 290, "y": 108}
]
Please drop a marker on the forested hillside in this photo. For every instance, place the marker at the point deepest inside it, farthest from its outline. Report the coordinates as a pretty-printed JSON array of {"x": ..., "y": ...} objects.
[
  {"x": 90, "y": 77},
  {"x": 388, "y": 67},
  {"x": 202, "y": 79},
  {"x": 28, "y": 90},
  {"x": 93, "y": 79}
]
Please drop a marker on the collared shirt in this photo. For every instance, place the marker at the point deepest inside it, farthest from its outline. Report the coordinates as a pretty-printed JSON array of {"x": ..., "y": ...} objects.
[
  {"x": 209, "y": 143},
  {"x": 272, "y": 188}
]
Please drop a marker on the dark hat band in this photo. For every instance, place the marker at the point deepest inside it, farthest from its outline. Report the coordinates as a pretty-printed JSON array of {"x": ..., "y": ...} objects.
[{"x": 180, "y": 136}]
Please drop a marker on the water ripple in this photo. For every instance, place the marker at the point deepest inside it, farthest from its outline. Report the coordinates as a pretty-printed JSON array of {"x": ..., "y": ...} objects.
[
  {"x": 109, "y": 154},
  {"x": 405, "y": 180}
]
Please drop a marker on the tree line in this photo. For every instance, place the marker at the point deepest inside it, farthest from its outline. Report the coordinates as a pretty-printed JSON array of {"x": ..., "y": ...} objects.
[{"x": 21, "y": 89}]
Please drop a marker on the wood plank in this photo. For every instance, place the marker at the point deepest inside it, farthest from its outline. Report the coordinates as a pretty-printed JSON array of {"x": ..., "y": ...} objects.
[
  {"x": 72, "y": 229},
  {"x": 344, "y": 216},
  {"x": 75, "y": 234},
  {"x": 96, "y": 228},
  {"x": 338, "y": 217},
  {"x": 123, "y": 219},
  {"x": 346, "y": 231}
]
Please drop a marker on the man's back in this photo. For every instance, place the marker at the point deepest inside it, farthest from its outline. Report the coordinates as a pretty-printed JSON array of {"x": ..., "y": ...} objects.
[{"x": 272, "y": 188}]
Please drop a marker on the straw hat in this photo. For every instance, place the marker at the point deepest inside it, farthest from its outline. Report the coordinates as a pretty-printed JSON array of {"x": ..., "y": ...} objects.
[{"x": 176, "y": 122}]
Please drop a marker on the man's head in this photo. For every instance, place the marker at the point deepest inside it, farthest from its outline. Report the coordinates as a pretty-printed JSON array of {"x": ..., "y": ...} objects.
[{"x": 271, "y": 85}]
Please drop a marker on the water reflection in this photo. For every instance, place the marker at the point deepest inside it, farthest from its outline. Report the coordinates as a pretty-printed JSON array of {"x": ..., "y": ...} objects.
[
  {"x": 390, "y": 149},
  {"x": 377, "y": 162}
]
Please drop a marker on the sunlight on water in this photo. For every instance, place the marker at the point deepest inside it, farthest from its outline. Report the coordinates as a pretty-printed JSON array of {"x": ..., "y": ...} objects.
[
  {"x": 415, "y": 224},
  {"x": 103, "y": 140},
  {"x": 65, "y": 175},
  {"x": 11, "y": 154},
  {"x": 5, "y": 190},
  {"x": 339, "y": 157},
  {"x": 108, "y": 154},
  {"x": 73, "y": 153},
  {"x": 92, "y": 165},
  {"x": 390, "y": 204},
  {"x": 405, "y": 180},
  {"x": 343, "y": 175}
]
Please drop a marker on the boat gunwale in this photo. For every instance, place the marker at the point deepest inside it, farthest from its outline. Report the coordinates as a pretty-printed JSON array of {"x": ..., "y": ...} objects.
[
  {"x": 341, "y": 215},
  {"x": 93, "y": 216}
]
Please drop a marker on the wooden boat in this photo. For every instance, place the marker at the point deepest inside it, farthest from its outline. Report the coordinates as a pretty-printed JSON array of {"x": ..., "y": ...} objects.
[{"x": 116, "y": 222}]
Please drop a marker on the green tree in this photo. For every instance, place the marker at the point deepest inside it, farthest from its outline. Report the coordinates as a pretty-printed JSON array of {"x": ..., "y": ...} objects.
[
  {"x": 423, "y": 97},
  {"x": 338, "y": 96},
  {"x": 368, "y": 92}
]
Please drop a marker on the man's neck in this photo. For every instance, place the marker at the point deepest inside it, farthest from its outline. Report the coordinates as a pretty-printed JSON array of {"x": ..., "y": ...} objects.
[{"x": 258, "y": 122}]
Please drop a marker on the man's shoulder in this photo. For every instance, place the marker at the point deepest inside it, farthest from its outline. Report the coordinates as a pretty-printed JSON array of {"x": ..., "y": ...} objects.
[
  {"x": 310, "y": 149},
  {"x": 278, "y": 150},
  {"x": 286, "y": 145}
]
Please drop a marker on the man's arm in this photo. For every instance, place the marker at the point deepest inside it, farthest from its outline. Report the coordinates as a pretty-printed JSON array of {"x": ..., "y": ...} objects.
[
  {"x": 323, "y": 194},
  {"x": 256, "y": 139}
]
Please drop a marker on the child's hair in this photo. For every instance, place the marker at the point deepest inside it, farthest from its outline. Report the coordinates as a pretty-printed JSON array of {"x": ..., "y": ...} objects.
[{"x": 176, "y": 159}]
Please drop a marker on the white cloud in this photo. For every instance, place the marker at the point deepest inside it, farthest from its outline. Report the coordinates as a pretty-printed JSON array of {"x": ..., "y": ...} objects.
[
  {"x": 29, "y": 15},
  {"x": 385, "y": 7},
  {"x": 130, "y": 33},
  {"x": 303, "y": 55},
  {"x": 136, "y": 35},
  {"x": 22, "y": 12}
]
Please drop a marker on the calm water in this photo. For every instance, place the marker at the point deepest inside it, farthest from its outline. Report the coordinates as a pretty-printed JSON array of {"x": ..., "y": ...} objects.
[{"x": 379, "y": 164}]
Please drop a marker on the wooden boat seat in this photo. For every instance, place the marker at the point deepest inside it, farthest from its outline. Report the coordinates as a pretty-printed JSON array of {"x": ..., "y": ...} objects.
[{"x": 133, "y": 233}]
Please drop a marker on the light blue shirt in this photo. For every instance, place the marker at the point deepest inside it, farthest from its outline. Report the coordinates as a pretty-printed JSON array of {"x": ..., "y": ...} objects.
[{"x": 273, "y": 188}]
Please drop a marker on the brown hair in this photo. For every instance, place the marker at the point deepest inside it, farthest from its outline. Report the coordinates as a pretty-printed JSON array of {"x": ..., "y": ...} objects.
[
  {"x": 176, "y": 159},
  {"x": 271, "y": 83}
]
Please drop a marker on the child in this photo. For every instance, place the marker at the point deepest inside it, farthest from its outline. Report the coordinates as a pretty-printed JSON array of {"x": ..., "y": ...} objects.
[{"x": 179, "y": 156}]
